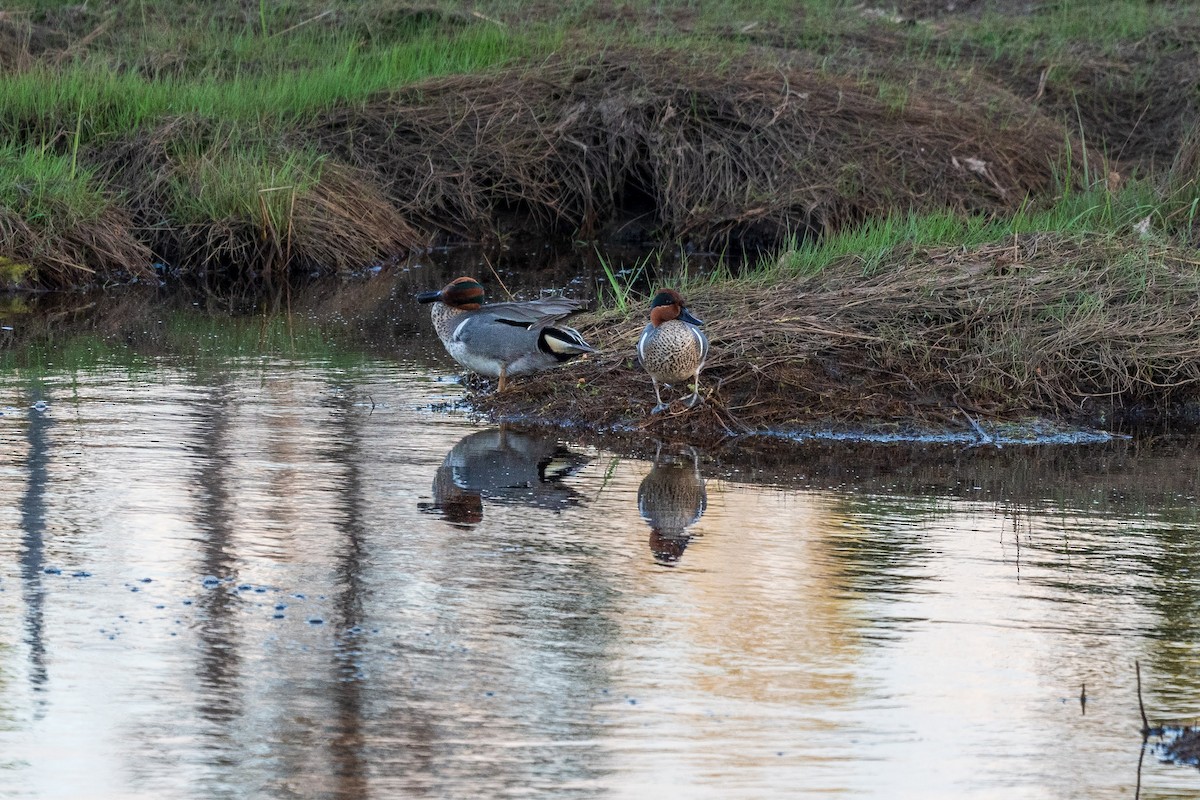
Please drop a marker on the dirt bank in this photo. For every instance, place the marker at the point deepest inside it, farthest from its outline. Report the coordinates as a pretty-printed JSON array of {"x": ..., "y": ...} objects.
[
  {"x": 1081, "y": 330},
  {"x": 654, "y": 145},
  {"x": 733, "y": 127}
]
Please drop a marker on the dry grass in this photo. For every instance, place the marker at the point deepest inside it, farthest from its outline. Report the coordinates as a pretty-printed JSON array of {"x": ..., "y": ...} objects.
[
  {"x": 101, "y": 248},
  {"x": 343, "y": 221},
  {"x": 705, "y": 152},
  {"x": 1080, "y": 329}
]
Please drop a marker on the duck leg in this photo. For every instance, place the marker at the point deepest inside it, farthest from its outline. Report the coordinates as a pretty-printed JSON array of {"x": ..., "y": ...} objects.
[
  {"x": 661, "y": 407},
  {"x": 693, "y": 399},
  {"x": 503, "y": 380}
]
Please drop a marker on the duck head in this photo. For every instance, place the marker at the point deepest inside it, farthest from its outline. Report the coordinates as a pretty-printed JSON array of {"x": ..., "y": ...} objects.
[
  {"x": 667, "y": 305},
  {"x": 461, "y": 293}
]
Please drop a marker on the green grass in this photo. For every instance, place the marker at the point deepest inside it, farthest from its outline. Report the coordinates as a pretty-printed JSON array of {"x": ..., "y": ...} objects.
[
  {"x": 115, "y": 102},
  {"x": 246, "y": 182},
  {"x": 619, "y": 289},
  {"x": 1097, "y": 211},
  {"x": 1059, "y": 27},
  {"x": 50, "y": 191}
]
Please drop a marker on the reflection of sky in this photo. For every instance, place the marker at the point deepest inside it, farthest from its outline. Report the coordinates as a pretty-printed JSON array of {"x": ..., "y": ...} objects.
[{"x": 354, "y": 645}]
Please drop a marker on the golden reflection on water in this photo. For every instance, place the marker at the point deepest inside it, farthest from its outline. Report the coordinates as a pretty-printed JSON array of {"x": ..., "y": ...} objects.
[{"x": 297, "y": 579}]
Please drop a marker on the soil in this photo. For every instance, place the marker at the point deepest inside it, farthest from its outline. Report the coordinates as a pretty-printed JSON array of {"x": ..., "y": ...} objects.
[{"x": 1044, "y": 327}]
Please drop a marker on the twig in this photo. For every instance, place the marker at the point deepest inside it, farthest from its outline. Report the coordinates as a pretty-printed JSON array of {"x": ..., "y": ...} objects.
[
  {"x": 1145, "y": 724},
  {"x": 301, "y": 24},
  {"x": 496, "y": 275}
]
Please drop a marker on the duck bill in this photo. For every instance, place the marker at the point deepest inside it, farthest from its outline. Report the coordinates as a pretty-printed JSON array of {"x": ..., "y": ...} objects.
[
  {"x": 687, "y": 317},
  {"x": 429, "y": 297}
]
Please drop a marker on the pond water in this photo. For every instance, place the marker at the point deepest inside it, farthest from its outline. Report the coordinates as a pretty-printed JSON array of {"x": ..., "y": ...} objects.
[{"x": 273, "y": 556}]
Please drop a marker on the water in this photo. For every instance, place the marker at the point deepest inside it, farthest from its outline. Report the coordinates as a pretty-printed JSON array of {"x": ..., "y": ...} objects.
[{"x": 244, "y": 559}]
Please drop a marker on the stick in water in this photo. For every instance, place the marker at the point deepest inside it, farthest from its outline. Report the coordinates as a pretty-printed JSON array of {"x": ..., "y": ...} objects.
[{"x": 1145, "y": 725}]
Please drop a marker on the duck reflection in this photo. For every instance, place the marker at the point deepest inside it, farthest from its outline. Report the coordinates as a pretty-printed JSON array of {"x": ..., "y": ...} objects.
[
  {"x": 504, "y": 466},
  {"x": 672, "y": 498}
]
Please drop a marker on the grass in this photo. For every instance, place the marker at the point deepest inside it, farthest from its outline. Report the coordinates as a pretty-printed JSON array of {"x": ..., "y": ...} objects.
[
  {"x": 35, "y": 103},
  {"x": 264, "y": 87},
  {"x": 244, "y": 183},
  {"x": 288, "y": 62},
  {"x": 871, "y": 243},
  {"x": 50, "y": 191},
  {"x": 1057, "y": 29},
  {"x": 622, "y": 283}
]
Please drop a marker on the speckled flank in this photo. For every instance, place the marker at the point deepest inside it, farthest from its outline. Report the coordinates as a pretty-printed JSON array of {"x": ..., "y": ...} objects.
[
  {"x": 672, "y": 352},
  {"x": 672, "y": 348}
]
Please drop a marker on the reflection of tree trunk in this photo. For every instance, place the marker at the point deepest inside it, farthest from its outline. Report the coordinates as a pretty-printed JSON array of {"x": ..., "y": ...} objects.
[
  {"x": 346, "y": 749},
  {"x": 33, "y": 527},
  {"x": 219, "y": 667}
]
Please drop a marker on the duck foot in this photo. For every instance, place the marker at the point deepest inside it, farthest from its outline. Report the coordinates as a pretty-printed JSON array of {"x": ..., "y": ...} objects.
[
  {"x": 692, "y": 400},
  {"x": 661, "y": 407}
]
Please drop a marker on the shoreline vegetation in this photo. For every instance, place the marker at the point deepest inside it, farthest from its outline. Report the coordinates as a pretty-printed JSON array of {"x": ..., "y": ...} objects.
[
  {"x": 939, "y": 216},
  {"x": 1089, "y": 329}
]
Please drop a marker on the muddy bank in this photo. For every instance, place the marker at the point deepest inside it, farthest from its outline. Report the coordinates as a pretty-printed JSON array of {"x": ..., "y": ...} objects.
[
  {"x": 725, "y": 133},
  {"x": 1094, "y": 331},
  {"x": 629, "y": 144}
]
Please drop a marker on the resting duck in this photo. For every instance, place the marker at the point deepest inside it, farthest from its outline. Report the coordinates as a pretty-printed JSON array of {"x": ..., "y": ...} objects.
[{"x": 503, "y": 339}]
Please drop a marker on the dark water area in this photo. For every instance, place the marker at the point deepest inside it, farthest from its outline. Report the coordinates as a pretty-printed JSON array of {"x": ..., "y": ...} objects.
[{"x": 275, "y": 555}]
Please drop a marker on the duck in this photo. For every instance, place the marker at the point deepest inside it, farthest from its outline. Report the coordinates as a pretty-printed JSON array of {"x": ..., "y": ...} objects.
[
  {"x": 672, "y": 348},
  {"x": 500, "y": 340}
]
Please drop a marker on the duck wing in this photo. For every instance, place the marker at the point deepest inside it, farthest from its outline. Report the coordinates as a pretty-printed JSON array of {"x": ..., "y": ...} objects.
[{"x": 534, "y": 314}]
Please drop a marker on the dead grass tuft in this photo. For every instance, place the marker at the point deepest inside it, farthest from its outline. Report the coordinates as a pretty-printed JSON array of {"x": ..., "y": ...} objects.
[
  {"x": 92, "y": 251},
  {"x": 22, "y": 42},
  {"x": 342, "y": 222},
  {"x": 703, "y": 153},
  {"x": 1043, "y": 324}
]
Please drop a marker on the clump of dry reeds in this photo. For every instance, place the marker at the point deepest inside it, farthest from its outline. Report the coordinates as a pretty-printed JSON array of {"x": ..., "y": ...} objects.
[
  {"x": 1042, "y": 324},
  {"x": 705, "y": 151},
  {"x": 93, "y": 250},
  {"x": 701, "y": 152},
  {"x": 337, "y": 222}
]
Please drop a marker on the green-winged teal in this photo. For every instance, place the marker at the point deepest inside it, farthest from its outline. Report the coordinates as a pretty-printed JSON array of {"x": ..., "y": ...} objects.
[
  {"x": 672, "y": 348},
  {"x": 503, "y": 339}
]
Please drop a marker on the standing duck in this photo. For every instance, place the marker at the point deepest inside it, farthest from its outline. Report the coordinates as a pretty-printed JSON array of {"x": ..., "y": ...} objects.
[
  {"x": 672, "y": 348},
  {"x": 503, "y": 339}
]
